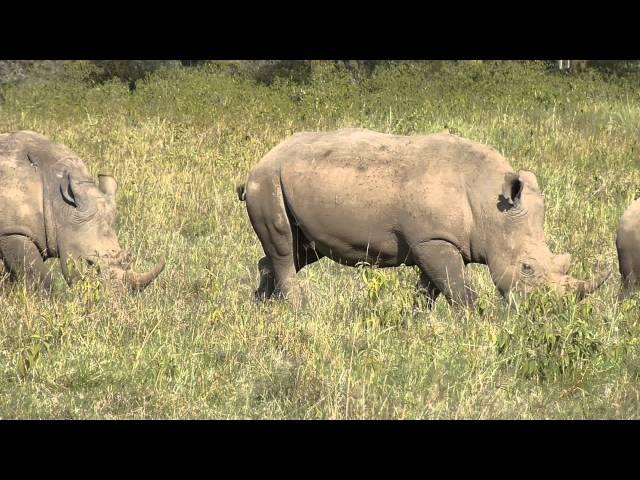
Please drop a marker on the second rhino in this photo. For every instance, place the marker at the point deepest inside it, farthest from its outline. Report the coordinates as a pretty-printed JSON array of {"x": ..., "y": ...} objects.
[{"x": 436, "y": 201}]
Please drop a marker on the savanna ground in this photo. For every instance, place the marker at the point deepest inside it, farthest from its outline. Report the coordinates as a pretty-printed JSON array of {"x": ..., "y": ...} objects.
[{"x": 194, "y": 345}]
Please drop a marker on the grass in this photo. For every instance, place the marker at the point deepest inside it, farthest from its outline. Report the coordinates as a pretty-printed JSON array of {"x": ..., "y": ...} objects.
[{"x": 195, "y": 346}]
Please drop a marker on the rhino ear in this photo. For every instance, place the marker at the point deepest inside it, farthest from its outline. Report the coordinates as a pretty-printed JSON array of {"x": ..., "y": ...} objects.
[
  {"x": 73, "y": 193},
  {"x": 66, "y": 189},
  {"x": 529, "y": 178},
  {"x": 512, "y": 189},
  {"x": 107, "y": 184}
]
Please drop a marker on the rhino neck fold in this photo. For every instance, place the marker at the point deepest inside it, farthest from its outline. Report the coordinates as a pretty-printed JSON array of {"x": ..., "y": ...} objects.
[
  {"x": 51, "y": 237},
  {"x": 478, "y": 251},
  {"x": 499, "y": 260}
]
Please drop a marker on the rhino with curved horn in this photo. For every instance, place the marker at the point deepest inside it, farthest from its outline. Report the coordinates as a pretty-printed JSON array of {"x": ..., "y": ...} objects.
[
  {"x": 436, "y": 201},
  {"x": 50, "y": 207}
]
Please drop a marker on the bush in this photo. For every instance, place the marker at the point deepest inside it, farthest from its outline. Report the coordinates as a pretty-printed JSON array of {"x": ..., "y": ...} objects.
[
  {"x": 29, "y": 71},
  {"x": 550, "y": 337},
  {"x": 130, "y": 71},
  {"x": 267, "y": 71}
]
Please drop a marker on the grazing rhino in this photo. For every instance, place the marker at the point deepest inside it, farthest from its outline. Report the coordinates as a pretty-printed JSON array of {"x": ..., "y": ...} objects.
[
  {"x": 628, "y": 246},
  {"x": 437, "y": 201},
  {"x": 50, "y": 207}
]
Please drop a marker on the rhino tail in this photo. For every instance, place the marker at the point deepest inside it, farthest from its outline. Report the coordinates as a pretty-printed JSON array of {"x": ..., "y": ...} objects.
[{"x": 242, "y": 192}]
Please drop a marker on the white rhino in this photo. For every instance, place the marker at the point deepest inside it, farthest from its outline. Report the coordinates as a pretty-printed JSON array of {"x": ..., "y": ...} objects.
[
  {"x": 51, "y": 207},
  {"x": 436, "y": 201}
]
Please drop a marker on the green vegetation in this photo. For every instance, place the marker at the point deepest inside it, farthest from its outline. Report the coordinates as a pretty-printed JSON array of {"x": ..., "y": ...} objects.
[{"x": 194, "y": 345}]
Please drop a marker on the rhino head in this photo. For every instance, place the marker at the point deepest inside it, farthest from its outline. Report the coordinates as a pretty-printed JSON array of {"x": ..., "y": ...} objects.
[
  {"x": 85, "y": 229},
  {"x": 521, "y": 259}
]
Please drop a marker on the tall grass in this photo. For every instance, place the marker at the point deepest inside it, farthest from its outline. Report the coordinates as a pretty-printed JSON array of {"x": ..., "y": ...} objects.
[{"x": 194, "y": 345}]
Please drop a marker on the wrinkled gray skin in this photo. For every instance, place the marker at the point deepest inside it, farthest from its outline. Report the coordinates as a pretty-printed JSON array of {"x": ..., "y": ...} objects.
[
  {"x": 628, "y": 246},
  {"x": 50, "y": 207},
  {"x": 437, "y": 201}
]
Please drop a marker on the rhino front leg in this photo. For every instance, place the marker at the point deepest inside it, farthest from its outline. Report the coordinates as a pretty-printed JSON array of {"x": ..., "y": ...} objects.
[
  {"x": 442, "y": 264},
  {"x": 428, "y": 289},
  {"x": 21, "y": 256}
]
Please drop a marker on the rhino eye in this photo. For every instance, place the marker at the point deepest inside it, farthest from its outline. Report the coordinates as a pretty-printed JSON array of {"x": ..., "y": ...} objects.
[{"x": 527, "y": 269}]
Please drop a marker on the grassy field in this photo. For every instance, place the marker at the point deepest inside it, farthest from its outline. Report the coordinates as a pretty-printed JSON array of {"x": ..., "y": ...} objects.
[{"x": 194, "y": 345}]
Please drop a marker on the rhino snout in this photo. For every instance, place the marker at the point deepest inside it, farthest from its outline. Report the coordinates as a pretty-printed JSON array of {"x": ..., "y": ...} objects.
[{"x": 562, "y": 263}]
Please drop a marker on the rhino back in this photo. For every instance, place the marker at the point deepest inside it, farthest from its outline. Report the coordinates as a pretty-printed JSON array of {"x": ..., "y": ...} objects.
[
  {"x": 49, "y": 156},
  {"x": 391, "y": 160}
]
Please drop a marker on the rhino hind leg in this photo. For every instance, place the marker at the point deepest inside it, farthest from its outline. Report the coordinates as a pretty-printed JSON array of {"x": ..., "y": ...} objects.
[
  {"x": 22, "y": 258},
  {"x": 267, "y": 285},
  {"x": 442, "y": 264},
  {"x": 270, "y": 221}
]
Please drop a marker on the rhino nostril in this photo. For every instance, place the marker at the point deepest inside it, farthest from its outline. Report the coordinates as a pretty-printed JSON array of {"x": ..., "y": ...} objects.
[{"x": 527, "y": 269}]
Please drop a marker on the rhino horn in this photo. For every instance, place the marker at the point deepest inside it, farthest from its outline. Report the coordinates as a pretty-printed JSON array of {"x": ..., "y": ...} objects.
[
  {"x": 584, "y": 288},
  {"x": 138, "y": 281}
]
